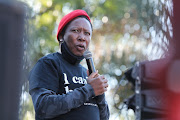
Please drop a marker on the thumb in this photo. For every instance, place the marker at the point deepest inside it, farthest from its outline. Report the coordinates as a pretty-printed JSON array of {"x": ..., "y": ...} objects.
[
  {"x": 88, "y": 73},
  {"x": 93, "y": 75}
]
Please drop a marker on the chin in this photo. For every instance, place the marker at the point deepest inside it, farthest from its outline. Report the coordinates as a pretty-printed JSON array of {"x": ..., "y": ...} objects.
[{"x": 79, "y": 54}]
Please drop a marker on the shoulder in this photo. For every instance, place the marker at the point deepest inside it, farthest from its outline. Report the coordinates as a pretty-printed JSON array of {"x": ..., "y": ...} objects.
[
  {"x": 51, "y": 56},
  {"x": 45, "y": 73},
  {"x": 47, "y": 62},
  {"x": 54, "y": 58},
  {"x": 83, "y": 68}
]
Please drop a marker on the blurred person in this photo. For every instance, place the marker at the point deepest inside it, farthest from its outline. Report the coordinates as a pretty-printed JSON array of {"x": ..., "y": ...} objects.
[{"x": 61, "y": 88}]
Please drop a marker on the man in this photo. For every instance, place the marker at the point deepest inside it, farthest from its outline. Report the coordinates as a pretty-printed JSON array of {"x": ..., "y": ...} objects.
[{"x": 59, "y": 85}]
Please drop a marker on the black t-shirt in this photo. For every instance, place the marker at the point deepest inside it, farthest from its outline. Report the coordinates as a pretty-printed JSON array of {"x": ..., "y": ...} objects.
[{"x": 54, "y": 72}]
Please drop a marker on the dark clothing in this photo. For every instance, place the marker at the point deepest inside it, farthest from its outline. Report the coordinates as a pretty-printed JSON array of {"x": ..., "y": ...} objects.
[{"x": 60, "y": 91}]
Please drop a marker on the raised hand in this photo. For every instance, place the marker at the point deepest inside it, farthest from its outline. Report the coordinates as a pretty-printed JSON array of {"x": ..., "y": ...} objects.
[{"x": 98, "y": 82}]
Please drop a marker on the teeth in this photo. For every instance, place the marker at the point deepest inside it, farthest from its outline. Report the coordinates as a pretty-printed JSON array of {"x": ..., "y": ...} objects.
[{"x": 81, "y": 46}]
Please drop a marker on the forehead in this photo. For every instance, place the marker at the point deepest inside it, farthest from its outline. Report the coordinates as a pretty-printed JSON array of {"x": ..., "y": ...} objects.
[{"x": 80, "y": 22}]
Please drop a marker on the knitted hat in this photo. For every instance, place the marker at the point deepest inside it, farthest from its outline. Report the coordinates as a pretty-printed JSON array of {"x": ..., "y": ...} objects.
[{"x": 69, "y": 17}]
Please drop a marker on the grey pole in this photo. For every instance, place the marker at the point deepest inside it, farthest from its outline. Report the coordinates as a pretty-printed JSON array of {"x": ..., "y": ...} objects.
[{"x": 11, "y": 49}]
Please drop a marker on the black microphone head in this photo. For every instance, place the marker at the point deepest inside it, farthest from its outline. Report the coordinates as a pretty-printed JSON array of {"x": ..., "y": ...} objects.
[{"x": 87, "y": 54}]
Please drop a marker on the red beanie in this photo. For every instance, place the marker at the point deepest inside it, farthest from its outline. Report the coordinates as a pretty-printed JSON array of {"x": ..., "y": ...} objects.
[{"x": 69, "y": 17}]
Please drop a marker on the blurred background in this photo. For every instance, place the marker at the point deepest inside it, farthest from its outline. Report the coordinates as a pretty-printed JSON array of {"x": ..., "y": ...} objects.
[{"x": 124, "y": 32}]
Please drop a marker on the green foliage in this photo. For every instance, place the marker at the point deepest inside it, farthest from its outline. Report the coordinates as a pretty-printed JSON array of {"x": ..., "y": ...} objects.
[{"x": 117, "y": 43}]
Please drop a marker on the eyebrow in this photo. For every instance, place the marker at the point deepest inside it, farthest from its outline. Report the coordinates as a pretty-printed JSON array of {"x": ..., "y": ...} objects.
[{"x": 78, "y": 27}]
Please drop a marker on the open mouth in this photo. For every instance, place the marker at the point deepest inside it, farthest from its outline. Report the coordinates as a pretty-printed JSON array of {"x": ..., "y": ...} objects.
[{"x": 80, "y": 47}]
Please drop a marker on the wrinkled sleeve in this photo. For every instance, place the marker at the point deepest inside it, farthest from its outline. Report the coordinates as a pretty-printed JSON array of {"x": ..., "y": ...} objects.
[
  {"x": 43, "y": 87},
  {"x": 44, "y": 75},
  {"x": 48, "y": 104},
  {"x": 103, "y": 107}
]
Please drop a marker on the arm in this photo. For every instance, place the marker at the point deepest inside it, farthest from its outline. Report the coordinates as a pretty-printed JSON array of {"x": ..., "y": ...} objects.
[
  {"x": 99, "y": 84},
  {"x": 48, "y": 104},
  {"x": 103, "y": 107}
]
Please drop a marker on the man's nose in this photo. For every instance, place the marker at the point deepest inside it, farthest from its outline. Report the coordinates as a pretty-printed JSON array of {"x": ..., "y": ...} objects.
[{"x": 81, "y": 36}]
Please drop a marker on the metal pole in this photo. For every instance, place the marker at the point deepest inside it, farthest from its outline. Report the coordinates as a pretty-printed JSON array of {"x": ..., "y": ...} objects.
[
  {"x": 11, "y": 49},
  {"x": 138, "y": 95}
]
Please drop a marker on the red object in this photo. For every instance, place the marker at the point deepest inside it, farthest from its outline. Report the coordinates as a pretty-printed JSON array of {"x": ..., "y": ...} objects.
[
  {"x": 69, "y": 17},
  {"x": 174, "y": 96}
]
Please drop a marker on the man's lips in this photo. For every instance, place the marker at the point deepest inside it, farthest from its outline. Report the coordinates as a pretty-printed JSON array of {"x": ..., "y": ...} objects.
[{"x": 80, "y": 47}]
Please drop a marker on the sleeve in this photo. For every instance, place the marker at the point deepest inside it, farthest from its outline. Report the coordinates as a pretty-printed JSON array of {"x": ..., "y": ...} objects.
[
  {"x": 48, "y": 104},
  {"x": 103, "y": 107},
  {"x": 44, "y": 75},
  {"x": 44, "y": 84}
]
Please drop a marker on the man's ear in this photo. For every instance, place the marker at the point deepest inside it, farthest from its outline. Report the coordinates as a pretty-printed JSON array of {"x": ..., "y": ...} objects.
[{"x": 61, "y": 38}]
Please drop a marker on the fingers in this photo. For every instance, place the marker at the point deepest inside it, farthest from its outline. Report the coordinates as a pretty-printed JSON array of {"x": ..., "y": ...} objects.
[
  {"x": 104, "y": 84},
  {"x": 103, "y": 89},
  {"x": 98, "y": 82},
  {"x": 94, "y": 74},
  {"x": 87, "y": 72},
  {"x": 103, "y": 79}
]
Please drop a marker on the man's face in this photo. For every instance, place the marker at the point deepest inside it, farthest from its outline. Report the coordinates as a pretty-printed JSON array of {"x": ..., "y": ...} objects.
[{"x": 78, "y": 35}]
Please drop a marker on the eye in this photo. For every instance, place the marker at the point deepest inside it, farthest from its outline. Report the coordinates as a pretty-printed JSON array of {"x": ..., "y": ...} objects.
[
  {"x": 87, "y": 33},
  {"x": 75, "y": 30}
]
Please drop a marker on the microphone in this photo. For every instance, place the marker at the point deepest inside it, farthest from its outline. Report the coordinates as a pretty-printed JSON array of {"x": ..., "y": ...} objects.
[{"x": 88, "y": 56}]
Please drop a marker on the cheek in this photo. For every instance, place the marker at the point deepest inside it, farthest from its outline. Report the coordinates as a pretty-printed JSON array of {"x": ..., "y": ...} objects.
[
  {"x": 69, "y": 39},
  {"x": 88, "y": 41}
]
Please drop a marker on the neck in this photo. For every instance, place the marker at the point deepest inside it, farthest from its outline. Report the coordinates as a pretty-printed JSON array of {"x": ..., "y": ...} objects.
[{"x": 68, "y": 55}]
